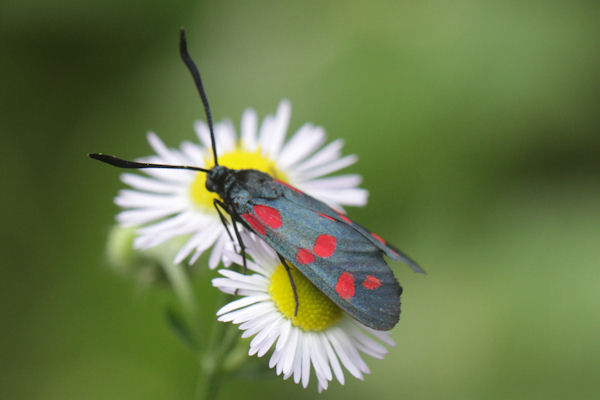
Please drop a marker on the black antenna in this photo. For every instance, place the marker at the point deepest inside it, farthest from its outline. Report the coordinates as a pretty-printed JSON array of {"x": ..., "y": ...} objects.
[
  {"x": 185, "y": 56},
  {"x": 119, "y": 162}
]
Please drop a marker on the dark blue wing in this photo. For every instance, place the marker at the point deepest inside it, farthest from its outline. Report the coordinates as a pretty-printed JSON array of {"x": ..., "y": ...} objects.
[{"x": 340, "y": 260}]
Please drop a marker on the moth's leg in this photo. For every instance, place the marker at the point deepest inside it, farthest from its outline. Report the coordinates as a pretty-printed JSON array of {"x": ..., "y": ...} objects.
[
  {"x": 242, "y": 245},
  {"x": 218, "y": 203},
  {"x": 289, "y": 272}
]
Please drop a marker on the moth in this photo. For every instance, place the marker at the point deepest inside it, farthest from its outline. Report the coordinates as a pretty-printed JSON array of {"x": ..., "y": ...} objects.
[{"x": 340, "y": 257}]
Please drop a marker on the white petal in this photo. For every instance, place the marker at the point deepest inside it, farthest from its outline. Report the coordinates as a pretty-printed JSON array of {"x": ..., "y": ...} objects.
[
  {"x": 330, "y": 167},
  {"x": 225, "y": 135},
  {"x": 264, "y": 339},
  {"x": 337, "y": 182},
  {"x": 349, "y": 197},
  {"x": 225, "y": 284},
  {"x": 318, "y": 357},
  {"x": 246, "y": 314},
  {"x": 243, "y": 302},
  {"x": 194, "y": 153},
  {"x": 333, "y": 360},
  {"x": 284, "y": 335},
  {"x": 265, "y": 132},
  {"x": 199, "y": 241},
  {"x": 259, "y": 323},
  {"x": 203, "y": 134},
  {"x": 209, "y": 240},
  {"x": 289, "y": 352},
  {"x": 297, "y": 367},
  {"x": 351, "y": 350},
  {"x": 181, "y": 177},
  {"x": 149, "y": 185},
  {"x": 249, "y": 125},
  {"x": 327, "y": 154},
  {"x": 347, "y": 360},
  {"x": 266, "y": 345},
  {"x": 142, "y": 216},
  {"x": 322, "y": 385},
  {"x": 384, "y": 336},
  {"x": 279, "y": 128},
  {"x": 237, "y": 258},
  {"x": 305, "y": 360},
  {"x": 169, "y": 156},
  {"x": 217, "y": 252},
  {"x": 131, "y": 198},
  {"x": 159, "y": 232},
  {"x": 308, "y": 139},
  {"x": 274, "y": 362},
  {"x": 146, "y": 241},
  {"x": 180, "y": 224},
  {"x": 259, "y": 282},
  {"x": 366, "y": 344}
]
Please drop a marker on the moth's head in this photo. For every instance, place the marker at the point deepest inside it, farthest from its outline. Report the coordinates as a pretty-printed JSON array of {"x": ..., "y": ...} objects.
[{"x": 215, "y": 178}]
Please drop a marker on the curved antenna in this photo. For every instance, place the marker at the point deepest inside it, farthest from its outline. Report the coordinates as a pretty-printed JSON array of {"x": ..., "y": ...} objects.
[
  {"x": 121, "y": 163},
  {"x": 189, "y": 63}
]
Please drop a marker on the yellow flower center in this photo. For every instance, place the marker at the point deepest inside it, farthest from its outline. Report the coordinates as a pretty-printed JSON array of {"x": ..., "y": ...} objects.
[
  {"x": 236, "y": 159},
  {"x": 316, "y": 311}
]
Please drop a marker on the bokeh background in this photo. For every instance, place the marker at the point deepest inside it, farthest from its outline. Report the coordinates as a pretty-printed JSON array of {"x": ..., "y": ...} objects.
[{"x": 476, "y": 123}]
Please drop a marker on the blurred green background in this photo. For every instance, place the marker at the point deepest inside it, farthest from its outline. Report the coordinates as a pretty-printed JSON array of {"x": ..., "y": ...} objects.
[{"x": 476, "y": 123}]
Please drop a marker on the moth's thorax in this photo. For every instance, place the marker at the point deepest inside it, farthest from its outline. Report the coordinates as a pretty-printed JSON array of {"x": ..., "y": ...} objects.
[{"x": 231, "y": 184}]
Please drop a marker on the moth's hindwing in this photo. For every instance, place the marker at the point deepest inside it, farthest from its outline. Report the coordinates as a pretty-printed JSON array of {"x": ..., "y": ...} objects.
[{"x": 339, "y": 260}]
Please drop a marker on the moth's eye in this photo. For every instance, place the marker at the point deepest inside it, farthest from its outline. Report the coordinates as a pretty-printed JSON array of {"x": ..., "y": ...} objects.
[{"x": 209, "y": 184}]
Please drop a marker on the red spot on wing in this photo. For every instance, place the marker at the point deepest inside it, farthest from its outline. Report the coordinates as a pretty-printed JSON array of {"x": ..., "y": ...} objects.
[
  {"x": 376, "y": 236},
  {"x": 268, "y": 215},
  {"x": 254, "y": 223},
  {"x": 342, "y": 216},
  {"x": 304, "y": 256},
  {"x": 289, "y": 186},
  {"x": 345, "y": 286},
  {"x": 371, "y": 282},
  {"x": 324, "y": 245},
  {"x": 326, "y": 216}
]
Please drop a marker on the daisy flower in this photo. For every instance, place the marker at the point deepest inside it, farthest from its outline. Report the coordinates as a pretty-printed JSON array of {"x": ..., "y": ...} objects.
[
  {"x": 169, "y": 203},
  {"x": 320, "y": 337}
]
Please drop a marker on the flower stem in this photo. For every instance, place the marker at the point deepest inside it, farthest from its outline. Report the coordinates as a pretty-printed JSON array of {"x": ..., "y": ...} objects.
[
  {"x": 223, "y": 338},
  {"x": 209, "y": 362},
  {"x": 209, "y": 378}
]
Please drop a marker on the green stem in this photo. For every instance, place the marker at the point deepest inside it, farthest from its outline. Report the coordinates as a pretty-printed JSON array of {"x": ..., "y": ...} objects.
[
  {"x": 209, "y": 362},
  {"x": 209, "y": 379},
  {"x": 223, "y": 337}
]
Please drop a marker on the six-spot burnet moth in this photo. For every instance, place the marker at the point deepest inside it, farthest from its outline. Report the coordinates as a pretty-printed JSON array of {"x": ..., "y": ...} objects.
[{"x": 340, "y": 257}]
